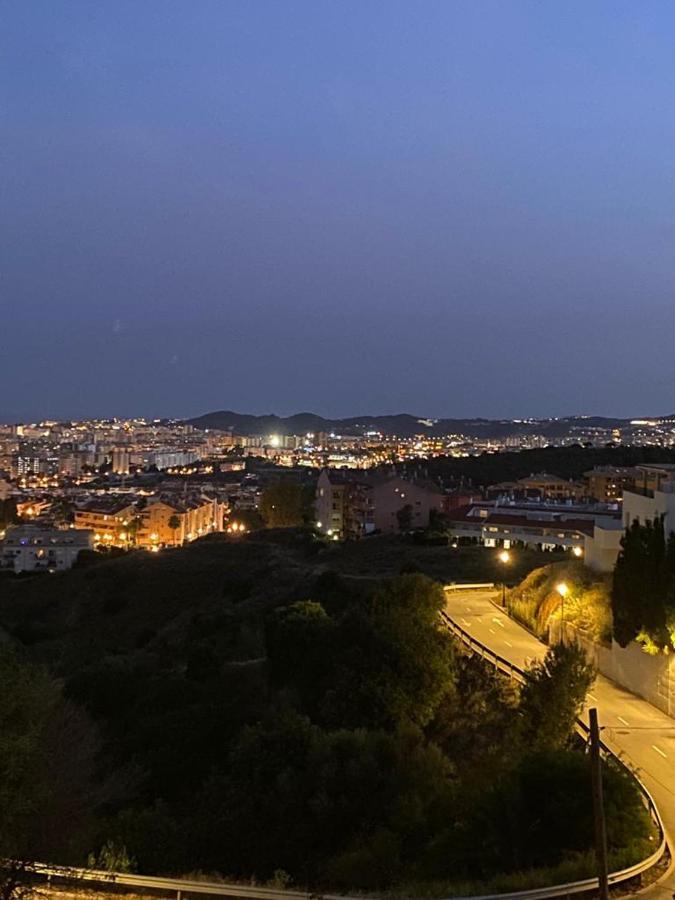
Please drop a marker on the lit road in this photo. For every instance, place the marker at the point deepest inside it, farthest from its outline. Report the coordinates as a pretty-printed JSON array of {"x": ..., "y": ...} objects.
[{"x": 641, "y": 734}]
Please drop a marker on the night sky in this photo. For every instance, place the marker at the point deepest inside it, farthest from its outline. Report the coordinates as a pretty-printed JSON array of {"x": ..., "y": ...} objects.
[{"x": 453, "y": 208}]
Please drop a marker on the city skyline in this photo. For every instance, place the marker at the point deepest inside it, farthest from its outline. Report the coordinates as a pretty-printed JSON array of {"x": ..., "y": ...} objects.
[{"x": 464, "y": 209}]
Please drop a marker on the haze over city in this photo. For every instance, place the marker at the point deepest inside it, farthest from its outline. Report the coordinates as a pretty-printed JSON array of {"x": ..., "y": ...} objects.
[{"x": 450, "y": 209}]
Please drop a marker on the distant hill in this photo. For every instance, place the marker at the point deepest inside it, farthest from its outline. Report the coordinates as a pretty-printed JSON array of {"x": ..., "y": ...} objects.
[{"x": 402, "y": 425}]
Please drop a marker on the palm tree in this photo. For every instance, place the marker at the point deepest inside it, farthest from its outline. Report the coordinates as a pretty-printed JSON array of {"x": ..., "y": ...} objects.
[{"x": 174, "y": 525}]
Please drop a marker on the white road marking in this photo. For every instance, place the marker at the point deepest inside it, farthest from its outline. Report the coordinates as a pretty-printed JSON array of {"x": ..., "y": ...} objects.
[
  {"x": 593, "y": 697},
  {"x": 464, "y": 622},
  {"x": 659, "y": 751},
  {"x": 492, "y": 631},
  {"x": 622, "y": 720},
  {"x": 498, "y": 622},
  {"x": 508, "y": 643}
]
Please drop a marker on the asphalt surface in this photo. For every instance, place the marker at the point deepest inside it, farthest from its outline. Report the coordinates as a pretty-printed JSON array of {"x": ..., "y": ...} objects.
[{"x": 638, "y": 732}]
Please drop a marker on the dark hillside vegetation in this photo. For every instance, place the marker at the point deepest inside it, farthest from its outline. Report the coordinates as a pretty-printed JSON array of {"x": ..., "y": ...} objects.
[
  {"x": 566, "y": 462},
  {"x": 262, "y": 717}
]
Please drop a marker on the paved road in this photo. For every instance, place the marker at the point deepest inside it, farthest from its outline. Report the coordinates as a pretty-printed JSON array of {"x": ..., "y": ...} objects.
[{"x": 633, "y": 728}]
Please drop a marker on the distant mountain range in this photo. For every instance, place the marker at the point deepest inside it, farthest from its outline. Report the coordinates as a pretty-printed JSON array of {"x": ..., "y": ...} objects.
[{"x": 404, "y": 425}]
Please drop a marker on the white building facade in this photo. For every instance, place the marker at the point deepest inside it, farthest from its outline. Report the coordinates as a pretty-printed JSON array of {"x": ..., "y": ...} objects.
[{"x": 30, "y": 548}]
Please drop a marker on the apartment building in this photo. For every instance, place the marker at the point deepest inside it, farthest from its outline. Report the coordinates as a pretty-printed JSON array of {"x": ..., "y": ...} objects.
[
  {"x": 393, "y": 495},
  {"x": 109, "y": 519},
  {"x": 170, "y": 521},
  {"x": 351, "y": 506},
  {"x": 607, "y": 483},
  {"x": 31, "y": 548},
  {"x": 343, "y": 506},
  {"x": 544, "y": 527},
  {"x": 540, "y": 485}
]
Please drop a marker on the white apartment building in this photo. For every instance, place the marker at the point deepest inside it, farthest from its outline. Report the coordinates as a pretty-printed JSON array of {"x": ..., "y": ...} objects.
[{"x": 31, "y": 548}]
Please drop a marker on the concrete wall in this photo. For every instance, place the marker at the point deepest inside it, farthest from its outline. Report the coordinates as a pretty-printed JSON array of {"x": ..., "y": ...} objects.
[
  {"x": 602, "y": 549},
  {"x": 650, "y": 677}
]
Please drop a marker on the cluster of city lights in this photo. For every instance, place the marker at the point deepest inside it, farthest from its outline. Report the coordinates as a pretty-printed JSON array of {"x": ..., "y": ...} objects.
[{"x": 236, "y": 528}]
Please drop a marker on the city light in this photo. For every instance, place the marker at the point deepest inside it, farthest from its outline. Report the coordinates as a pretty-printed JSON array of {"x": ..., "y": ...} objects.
[
  {"x": 236, "y": 528},
  {"x": 577, "y": 551}
]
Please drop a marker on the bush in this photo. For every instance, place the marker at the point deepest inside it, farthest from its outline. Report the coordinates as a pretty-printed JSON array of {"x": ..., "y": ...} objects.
[{"x": 536, "y": 603}]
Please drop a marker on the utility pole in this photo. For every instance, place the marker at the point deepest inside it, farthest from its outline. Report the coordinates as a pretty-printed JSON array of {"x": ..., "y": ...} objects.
[{"x": 598, "y": 805}]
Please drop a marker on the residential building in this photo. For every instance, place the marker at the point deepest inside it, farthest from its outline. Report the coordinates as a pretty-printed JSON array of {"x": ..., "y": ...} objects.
[
  {"x": 602, "y": 547},
  {"x": 650, "y": 496},
  {"x": 607, "y": 483},
  {"x": 120, "y": 461},
  {"x": 543, "y": 526},
  {"x": 108, "y": 518},
  {"x": 541, "y": 485},
  {"x": 343, "y": 506},
  {"x": 394, "y": 494},
  {"x": 551, "y": 487},
  {"x": 169, "y": 521},
  {"x": 31, "y": 548},
  {"x": 505, "y": 528}
]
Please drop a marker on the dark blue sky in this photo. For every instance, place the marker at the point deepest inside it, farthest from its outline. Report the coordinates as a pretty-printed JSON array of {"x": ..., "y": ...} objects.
[{"x": 459, "y": 207}]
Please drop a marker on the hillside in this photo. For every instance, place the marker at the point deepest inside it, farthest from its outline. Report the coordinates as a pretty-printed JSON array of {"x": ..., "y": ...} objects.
[
  {"x": 402, "y": 425},
  {"x": 238, "y": 707}
]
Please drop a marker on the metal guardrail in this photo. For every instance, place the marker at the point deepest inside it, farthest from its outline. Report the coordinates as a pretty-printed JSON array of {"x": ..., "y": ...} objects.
[
  {"x": 178, "y": 886},
  {"x": 576, "y": 887},
  {"x": 479, "y": 586}
]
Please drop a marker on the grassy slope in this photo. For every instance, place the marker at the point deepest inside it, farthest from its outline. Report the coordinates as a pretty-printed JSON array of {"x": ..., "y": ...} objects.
[{"x": 536, "y": 602}]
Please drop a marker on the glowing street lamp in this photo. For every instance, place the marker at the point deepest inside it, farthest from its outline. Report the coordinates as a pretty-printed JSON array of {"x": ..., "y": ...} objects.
[
  {"x": 578, "y": 552},
  {"x": 563, "y": 590},
  {"x": 504, "y": 558}
]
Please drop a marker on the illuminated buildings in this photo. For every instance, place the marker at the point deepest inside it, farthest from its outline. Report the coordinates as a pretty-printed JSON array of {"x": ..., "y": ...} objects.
[
  {"x": 343, "y": 506},
  {"x": 30, "y": 548},
  {"x": 170, "y": 521},
  {"x": 108, "y": 519},
  {"x": 541, "y": 485},
  {"x": 392, "y": 495},
  {"x": 120, "y": 461},
  {"x": 349, "y": 506}
]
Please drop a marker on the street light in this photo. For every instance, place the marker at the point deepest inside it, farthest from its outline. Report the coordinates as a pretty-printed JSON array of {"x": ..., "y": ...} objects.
[
  {"x": 505, "y": 558},
  {"x": 578, "y": 552},
  {"x": 563, "y": 590}
]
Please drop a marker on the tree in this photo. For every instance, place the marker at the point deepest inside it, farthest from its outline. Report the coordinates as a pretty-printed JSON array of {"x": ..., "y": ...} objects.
[
  {"x": 63, "y": 510},
  {"x": 47, "y": 753},
  {"x": 174, "y": 525},
  {"x": 133, "y": 528},
  {"x": 553, "y": 695},
  {"x": 393, "y": 663},
  {"x": 8, "y": 513},
  {"x": 404, "y": 517},
  {"x": 285, "y": 505},
  {"x": 513, "y": 829},
  {"x": 299, "y": 641},
  {"x": 344, "y": 808},
  {"x": 642, "y": 584}
]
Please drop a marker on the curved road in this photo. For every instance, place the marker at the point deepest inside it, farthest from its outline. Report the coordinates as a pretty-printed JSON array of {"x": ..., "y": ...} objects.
[{"x": 638, "y": 732}]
